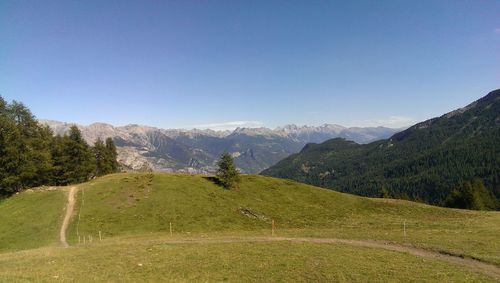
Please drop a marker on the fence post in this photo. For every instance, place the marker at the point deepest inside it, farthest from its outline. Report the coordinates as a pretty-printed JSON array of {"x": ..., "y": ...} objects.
[{"x": 404, "y": 228}]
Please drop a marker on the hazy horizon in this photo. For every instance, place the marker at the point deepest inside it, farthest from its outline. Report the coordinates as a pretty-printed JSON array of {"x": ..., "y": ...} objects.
[{"x": 221, "y": 127}]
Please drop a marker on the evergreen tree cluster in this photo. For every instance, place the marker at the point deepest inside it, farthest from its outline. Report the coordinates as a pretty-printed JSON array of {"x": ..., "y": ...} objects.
[
  {"x": 471, "y": 195},
  {"x": 30, "y": 155}
]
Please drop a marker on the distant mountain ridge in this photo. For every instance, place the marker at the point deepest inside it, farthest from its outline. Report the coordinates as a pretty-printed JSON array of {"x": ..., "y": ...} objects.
[
  {"x": 424, "y": 162},
  {"x": 196, "y": 151}
]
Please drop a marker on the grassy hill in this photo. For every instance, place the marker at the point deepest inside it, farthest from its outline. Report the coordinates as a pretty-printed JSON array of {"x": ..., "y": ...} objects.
[
  {"x": 134, "y": 212},
  {"x": 31, "y": 219},
  {"x": 425, "y": 162}
]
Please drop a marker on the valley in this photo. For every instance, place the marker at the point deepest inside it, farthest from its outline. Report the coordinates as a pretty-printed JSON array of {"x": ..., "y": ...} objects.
[{"x": 195, "y": 151}]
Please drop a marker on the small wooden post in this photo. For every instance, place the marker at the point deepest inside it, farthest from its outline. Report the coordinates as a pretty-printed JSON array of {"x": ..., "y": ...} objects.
[
  {"x": 78, "y": 238},
  {"x": 404, "y": 228},
  {"x": 272, "y": 228},
  {"x": 84, "y": 240},
  {"x": 170, "y": 229},
  {"x": 100, "y": 236}
]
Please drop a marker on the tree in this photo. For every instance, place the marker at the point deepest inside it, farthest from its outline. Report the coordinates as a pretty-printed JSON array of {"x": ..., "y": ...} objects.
[
  {"x": 79, "y": 162},
  {"x": 31, "y": 156},
  {"x": 25, "y": 155},
  {"x": 3, "y": 105},
  {"x": 471, "y": 195},
  {"x": 111, "y": 156},
  {"x": 59, "y": 160},
  {"x": 105, "y": 157},
  {"x": 227, "y": 173},
  {"x": 100, "y": 158},
  {"x": 383, "y": 192},
  {"x": 9, "y": 152}
]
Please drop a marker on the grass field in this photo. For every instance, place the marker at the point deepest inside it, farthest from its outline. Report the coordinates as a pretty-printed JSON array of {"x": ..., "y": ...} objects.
[
  {"x": 31, "y": 219},
  {"x": 142, "y": 203},
  {"x": 134, "y": 212},
  {"x": 138, "y": 261}
]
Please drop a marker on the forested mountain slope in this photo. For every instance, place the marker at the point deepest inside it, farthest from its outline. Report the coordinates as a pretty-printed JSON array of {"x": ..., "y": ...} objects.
[{"x": 429, "y": 161}]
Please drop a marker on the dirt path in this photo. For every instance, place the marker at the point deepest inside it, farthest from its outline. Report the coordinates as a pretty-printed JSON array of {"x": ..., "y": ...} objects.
[
  {"x": 471, "y": 264},
  {"x": 69, "y": 211}
]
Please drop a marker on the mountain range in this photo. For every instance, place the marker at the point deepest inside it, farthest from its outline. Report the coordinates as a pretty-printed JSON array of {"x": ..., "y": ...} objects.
[
  {"x": 425, "y": 162},
  {"x": 196, "y": 151}
]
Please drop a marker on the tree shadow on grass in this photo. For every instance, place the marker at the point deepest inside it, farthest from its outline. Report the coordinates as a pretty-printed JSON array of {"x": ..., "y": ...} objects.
[{"x": 214, "y": 180}]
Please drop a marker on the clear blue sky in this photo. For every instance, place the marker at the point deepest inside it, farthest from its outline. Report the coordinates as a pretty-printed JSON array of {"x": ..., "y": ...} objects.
[{"x": 196, "y": 63}]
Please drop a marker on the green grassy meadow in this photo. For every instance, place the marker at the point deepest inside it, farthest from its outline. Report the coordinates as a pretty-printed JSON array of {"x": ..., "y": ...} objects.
[
  {"x": 134, "y": 211},
  {"x": 154, "y": 261},
  {"x": 31, "y": 219}
]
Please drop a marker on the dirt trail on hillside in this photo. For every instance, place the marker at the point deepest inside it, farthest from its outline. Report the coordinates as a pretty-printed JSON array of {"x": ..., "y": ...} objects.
[
  {"x": 69, "y": 211},
  {"x": 472, "y": 264}
]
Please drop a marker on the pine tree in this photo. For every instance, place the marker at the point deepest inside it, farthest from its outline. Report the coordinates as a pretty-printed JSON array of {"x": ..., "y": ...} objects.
[
  {"x": 3, "y": 105},
  {"x": 9, "y": 152},
  {"x": 40, "y": 156},
  {"x": 383, "y": 192},
  {"x": 27, "y": 160},
  {"x": 59, "y": 160},
  {"x": 30, "y": 156},
  {"x": 105, "y": 157},
  {"x": 111, "y": 156},
  {"x": 227, "y": 173},
  {"x": 78, "y": 158},
  {"x": 471, "y": 195},
  {"x": 100, "y": 158}
]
